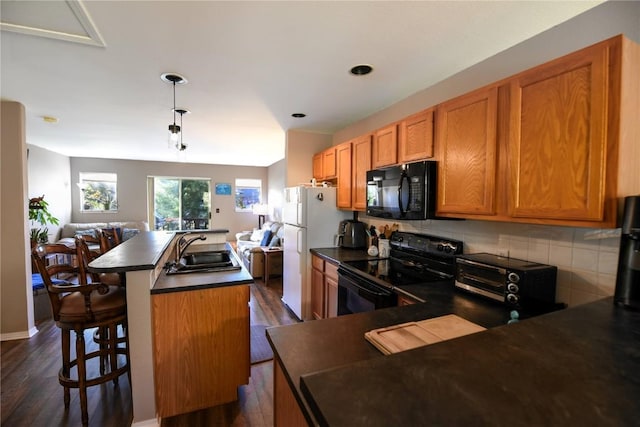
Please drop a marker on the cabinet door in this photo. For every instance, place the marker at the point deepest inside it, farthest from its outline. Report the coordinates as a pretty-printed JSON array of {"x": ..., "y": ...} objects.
[
  {"x": 201, "y": 347},
  {"x": 466, "y": 132},
  {"x": 343, "y": 160},
  {"x": 329, "y": 163},
  {"x": 318, "y": 173},
  {"x": 416, "y": 137},
  {"x": 558, "y": 138},
  {"x": 385, "y": 147},
  {"x": 317, "y": 294},
  {"x": 361, "y": 155},
  {"x": 331, "y": 289}
]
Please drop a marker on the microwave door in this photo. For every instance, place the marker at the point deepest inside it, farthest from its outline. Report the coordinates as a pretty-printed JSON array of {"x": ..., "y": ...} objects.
[{"x": 404, "y": 194}]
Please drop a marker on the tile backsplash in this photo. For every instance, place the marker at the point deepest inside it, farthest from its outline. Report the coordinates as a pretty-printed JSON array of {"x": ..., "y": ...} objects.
[{"x": 587, "y": 259}]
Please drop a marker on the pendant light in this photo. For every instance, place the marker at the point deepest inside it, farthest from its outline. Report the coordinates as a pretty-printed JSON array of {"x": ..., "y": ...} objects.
[
  {"x": 180, "y": 146},
  {"x": 175, "y": 139}
]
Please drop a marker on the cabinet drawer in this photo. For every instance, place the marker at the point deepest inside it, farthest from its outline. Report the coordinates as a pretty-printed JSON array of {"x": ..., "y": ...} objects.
[
  {"x": 331, "y": 270},
  {"x": 317, "y": 263}
]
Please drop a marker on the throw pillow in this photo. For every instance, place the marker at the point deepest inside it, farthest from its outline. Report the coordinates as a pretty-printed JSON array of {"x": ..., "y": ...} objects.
[
  {"x": 275, "y": 242},
  {"x": 90, "y": 232},
  {"x": 257, "y": 235},
  {"x": 128, "y": 233},
  {"x": 266, "y": 238}
]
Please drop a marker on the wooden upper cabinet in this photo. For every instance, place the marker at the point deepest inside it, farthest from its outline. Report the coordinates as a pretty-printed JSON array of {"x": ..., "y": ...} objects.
[
  {"x": 361, "y": 157},
  {"x": 343, "y": 161},
  {"x": 324, "y": 164},
  {"x": 416, "y": 137},
  {"x": 318, "y": 173},
  {"x": 385, "y": 147},
  {"x": 466, "y": 137},
  {"x": 558, "y": 140},
  {"x": 329, "y": 163}
]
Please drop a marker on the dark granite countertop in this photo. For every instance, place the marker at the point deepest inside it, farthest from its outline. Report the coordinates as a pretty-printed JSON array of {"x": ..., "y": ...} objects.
[
  {"x": 141, "y": 252},
  {"x": 318, "y": 345},
  {"x": 186, "y": 282},
  {"x": 579, "y": 366},
  {"x": 337, "y": 255}
]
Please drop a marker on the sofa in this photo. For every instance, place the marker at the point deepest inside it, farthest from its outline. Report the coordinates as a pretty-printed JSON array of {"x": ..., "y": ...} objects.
[
  {"x": 249, "y": 243},
  {"x": 125, "y": 229}
]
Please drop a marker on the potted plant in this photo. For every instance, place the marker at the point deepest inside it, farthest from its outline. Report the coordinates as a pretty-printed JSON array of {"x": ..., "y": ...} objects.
[{"x": 39, "y": 214}]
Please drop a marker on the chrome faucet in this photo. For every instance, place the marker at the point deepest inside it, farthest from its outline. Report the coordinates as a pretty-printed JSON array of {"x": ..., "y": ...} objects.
[{"x": 182, "y": 245}]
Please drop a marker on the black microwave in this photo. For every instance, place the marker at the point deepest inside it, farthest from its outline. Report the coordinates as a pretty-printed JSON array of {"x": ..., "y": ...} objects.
[{"x": 406, "y": 192}]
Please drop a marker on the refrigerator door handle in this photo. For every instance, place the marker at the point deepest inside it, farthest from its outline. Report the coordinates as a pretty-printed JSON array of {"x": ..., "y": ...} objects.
[{"x": 299, "y": 250}]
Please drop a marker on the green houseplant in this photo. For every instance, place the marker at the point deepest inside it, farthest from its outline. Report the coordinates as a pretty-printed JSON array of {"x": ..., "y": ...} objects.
[{"x": 39, "y": 214}]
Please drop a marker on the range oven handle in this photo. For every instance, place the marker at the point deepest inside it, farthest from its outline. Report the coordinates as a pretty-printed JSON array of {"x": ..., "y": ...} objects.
[
  {"x": 349, "y": 281},
  {"x": 404, "y": 177}
]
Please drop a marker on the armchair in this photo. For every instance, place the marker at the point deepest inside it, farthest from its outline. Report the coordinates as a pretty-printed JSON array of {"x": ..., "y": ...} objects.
[{"x": 248, "y": 245}]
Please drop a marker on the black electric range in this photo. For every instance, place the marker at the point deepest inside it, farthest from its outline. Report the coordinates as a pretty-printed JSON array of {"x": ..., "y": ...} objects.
[{"x": 414, "y": 259}]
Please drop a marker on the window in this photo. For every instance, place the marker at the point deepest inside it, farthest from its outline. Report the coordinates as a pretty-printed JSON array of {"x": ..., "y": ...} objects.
[
  {"x": 181, "y": 203},
  {"x": 98, "y": 192},
  {"x": 248, "y": 193}
]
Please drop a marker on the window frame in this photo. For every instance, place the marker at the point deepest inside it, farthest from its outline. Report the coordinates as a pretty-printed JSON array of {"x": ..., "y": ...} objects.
[
  {"x": 87, "y": 179},
  {"x": 247, "y": 183}
]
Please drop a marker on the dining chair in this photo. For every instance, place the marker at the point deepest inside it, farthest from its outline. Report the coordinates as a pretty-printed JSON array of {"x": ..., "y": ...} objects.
[
  {"x": 109, "y": 239},
  {"x": 78, "y": 305}
]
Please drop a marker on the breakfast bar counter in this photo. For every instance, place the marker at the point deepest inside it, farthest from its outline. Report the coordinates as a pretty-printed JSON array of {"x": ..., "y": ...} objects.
[
  {"x": 578, "y": 366},
  {"x": 156, "y": 340}
]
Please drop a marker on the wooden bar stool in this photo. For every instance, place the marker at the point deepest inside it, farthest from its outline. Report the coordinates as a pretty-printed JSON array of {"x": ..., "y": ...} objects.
[{"x": 77, "y": 306}]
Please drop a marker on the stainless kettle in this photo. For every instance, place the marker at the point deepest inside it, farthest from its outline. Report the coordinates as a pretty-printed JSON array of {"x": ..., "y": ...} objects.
[{"x": 352, "y": 234}]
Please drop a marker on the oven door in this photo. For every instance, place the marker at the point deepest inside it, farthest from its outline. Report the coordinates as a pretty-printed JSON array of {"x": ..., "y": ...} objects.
[{"x": 357, "y": 294}]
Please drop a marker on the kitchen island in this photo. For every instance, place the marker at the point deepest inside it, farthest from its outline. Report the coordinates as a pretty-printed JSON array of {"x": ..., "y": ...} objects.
[
  {"x": 578, "y": 366},
  {"x": 167, "y": 312}
]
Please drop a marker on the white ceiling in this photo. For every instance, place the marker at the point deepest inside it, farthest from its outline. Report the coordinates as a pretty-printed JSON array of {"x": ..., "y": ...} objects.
[{"x": 249, "y": 66}]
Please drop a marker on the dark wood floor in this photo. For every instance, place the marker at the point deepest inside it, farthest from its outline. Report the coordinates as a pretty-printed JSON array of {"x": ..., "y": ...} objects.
[{"x": 32, "y": 396}]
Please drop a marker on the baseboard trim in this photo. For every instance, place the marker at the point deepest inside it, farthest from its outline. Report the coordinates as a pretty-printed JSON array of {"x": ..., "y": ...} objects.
[{"x": 21, "y": 335}]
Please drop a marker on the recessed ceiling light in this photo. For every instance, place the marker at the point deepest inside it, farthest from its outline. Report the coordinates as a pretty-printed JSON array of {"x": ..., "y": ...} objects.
[
  {"x": 49, "y": 119},
  {"x": 298, "y": 115},
  {"x": 361, "y": 70}
]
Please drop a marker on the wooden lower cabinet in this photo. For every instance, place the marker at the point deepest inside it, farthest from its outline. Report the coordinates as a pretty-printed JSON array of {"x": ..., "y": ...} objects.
[
  {"x": 286, "y": 410},
  {"x": 201, "y": 347},
  {"x": 330, "y": 289},
  {"x": 317, "y": 287},
  {"x": 324, "y": 288}
]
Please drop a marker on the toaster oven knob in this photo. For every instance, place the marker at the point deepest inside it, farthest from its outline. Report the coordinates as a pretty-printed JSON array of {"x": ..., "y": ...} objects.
[
  {"x": 512, "y": 298},
  {"x": 513, "y": 277},
  {"x": 512, "y": 287}
]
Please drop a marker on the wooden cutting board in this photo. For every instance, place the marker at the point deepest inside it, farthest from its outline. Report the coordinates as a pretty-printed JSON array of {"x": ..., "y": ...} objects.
[{"x": 406, "y": 336}]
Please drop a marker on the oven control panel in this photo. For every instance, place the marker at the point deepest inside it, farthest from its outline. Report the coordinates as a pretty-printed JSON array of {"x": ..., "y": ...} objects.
[{"x": 425, "y": 244}]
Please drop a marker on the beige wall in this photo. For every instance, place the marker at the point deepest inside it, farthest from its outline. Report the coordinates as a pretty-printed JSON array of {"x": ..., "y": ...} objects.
[
  {"x": 15, "y": 267},
  {"x": 299, "y": 150},
  {"x": 132, "y": 189},
  {"x": 276, "y": 189},
  {"x": 48, "y": 174}
]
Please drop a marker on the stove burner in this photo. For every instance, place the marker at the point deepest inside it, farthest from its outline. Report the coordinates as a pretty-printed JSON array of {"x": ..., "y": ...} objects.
[{"x": 415, "y": 259}]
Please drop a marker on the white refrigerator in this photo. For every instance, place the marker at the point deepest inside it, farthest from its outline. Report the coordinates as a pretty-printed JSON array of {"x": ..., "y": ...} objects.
[{"x": 311, "y": 220}]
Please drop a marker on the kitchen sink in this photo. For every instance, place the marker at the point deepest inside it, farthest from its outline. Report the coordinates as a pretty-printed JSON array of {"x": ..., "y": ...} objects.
[{"x": 204, "y": 262}]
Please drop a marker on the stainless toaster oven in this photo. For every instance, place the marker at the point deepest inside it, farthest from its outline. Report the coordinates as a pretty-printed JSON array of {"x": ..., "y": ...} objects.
[{"x": 515, "y": 282}]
